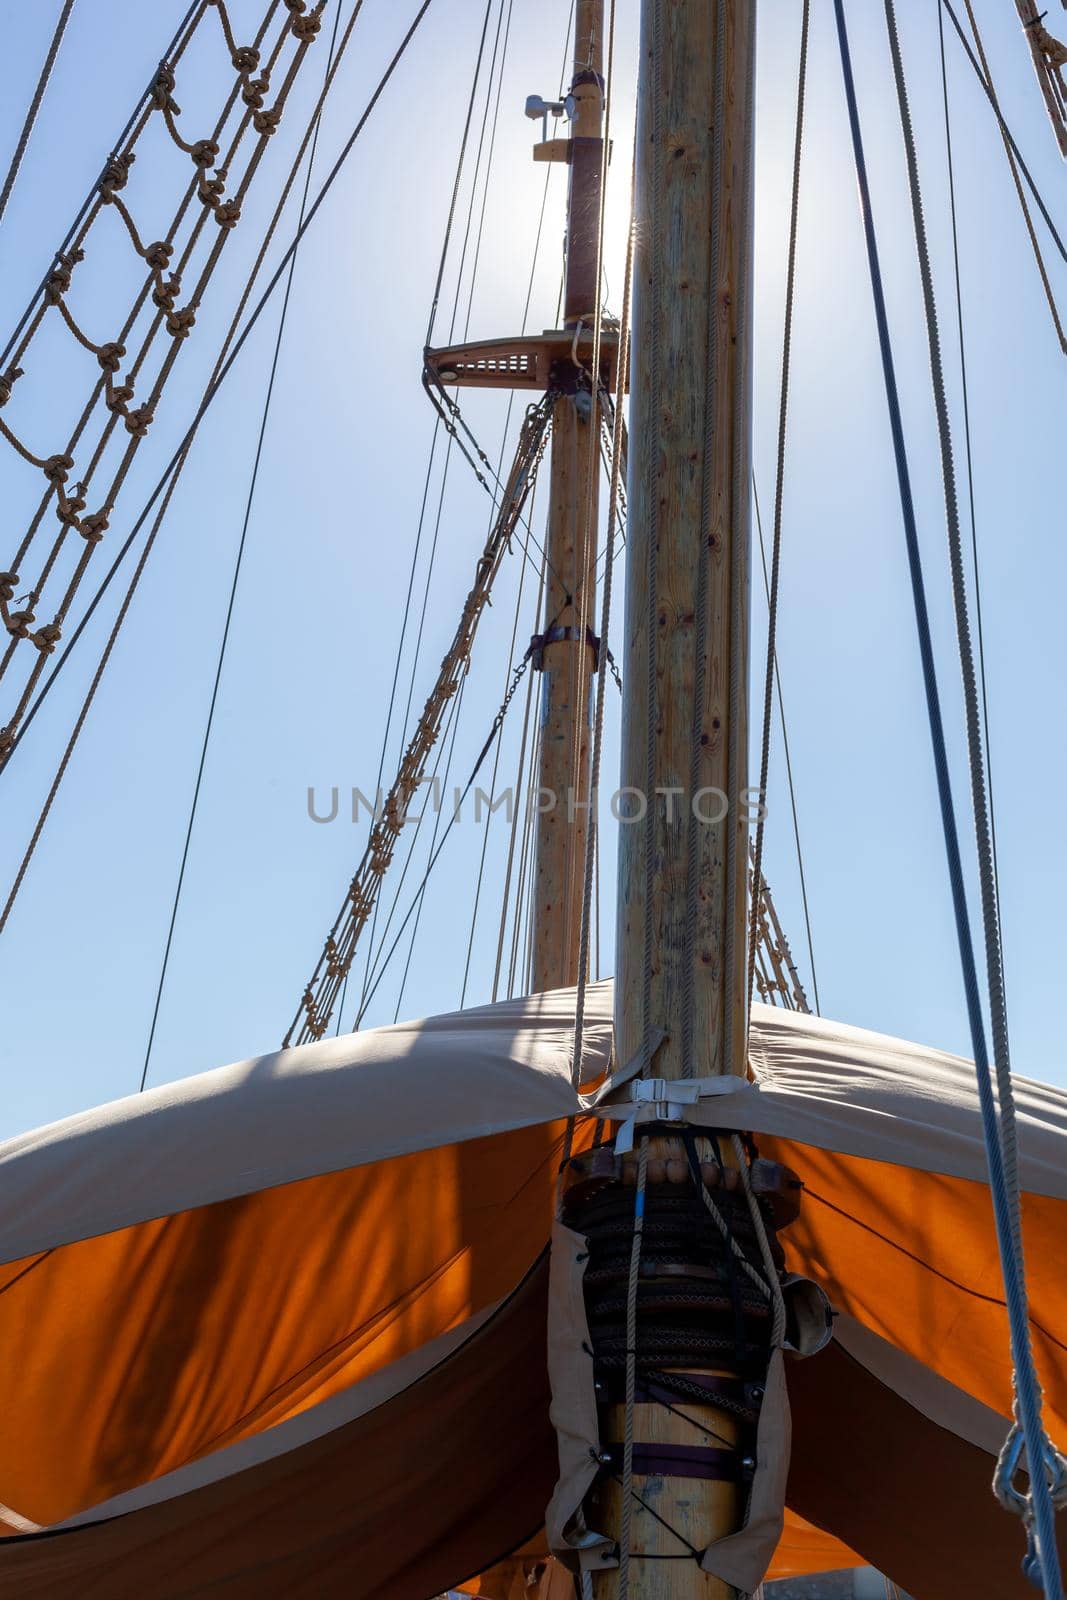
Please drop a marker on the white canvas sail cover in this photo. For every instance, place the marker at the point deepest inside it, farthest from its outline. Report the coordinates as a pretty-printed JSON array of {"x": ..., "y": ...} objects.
[{"x": 316, "y": 1281}]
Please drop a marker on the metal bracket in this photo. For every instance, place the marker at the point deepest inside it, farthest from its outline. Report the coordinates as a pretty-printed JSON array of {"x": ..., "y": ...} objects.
[{"x": 560, "y": 635}]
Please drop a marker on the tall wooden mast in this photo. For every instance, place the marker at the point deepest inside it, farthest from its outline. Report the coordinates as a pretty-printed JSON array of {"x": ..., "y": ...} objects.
[
  {"x": 566, "y": 651},
  {"x": 689, "y": 500},
  {"x": 681, "y": 934}
]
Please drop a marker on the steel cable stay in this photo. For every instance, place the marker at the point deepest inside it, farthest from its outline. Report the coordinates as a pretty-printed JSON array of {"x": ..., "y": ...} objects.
[
  {"x": 166, "y": 484},
  {"x": 447, "y": 413},
  {"x": 434, "y": 441},
  {"x": 321, "y": 993},
  {"x": 235, "y": 344},
  {"x": 965, "y": 396},
  {"x": 1010, "y": 153},
  {"x": 498, "y": 721},
  {"x": 991, "y": 96},
  {"x": 761, "y": 949},
  {"x": 1047, "y": 1486},
  {"x": 779, "y": 494},
  {"x": 234, "y": 582},
  {"x": 492, "y": 790},
  {"x": 499, "y": 54}
]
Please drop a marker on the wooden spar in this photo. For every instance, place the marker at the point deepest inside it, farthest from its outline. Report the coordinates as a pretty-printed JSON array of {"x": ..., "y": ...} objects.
[
  {"x": 567, "y": 656},
  {"x": 668, "y": 424},
  {"x": 687, "y": 269}
]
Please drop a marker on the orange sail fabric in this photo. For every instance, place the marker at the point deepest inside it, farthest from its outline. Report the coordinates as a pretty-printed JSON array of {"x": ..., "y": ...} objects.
[{"x": 213, "y": 1298}]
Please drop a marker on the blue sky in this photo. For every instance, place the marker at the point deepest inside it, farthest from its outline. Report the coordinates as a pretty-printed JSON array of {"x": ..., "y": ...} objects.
[{"x": 318, "y": 610}]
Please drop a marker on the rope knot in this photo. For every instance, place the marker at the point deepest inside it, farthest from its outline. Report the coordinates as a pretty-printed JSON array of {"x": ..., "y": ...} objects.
[
  {"x": 8, "y": 380},
  {"x": 116, "y": 175},
  {"x": 228, "y": 214},
  {"x": 254, "y": 92},
  {"x": 47, "y": 638},
  {"x": 205, "y": 153},
  {"x": 158, "y": 254},
  {"x": 139, "y": 421},
  {"x": 18, "y": 624},
  {"x": 57, "y": 469},
  {"x": 8, "y": 585},
  {"x": 163, "y": 89},
  {"x": 211, "y": 190},
  {"x": 110, "y": 356},
  {"x": 180, "y": 323},
  {"x": 118, "y": 396},
  {"x": 166, "y": 292},
  {"x": 304, "y": 26},
  {"x": 95, "y": 526},
  {"x": 266, "y": 122},
  {"x": 70, "y": 508},
  {"x": 60, "y": 276},
  {"x": 245, "y": 58}
]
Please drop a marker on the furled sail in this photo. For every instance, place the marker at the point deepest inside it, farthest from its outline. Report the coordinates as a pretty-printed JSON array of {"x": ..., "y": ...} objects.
[{"x": 238, "y": 1310}]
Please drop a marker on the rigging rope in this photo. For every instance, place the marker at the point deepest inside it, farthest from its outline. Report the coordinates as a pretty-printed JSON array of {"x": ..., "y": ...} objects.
[
  {"x": 1008, "y": 143},
  {"x": 965, "y": 393},
  {"x": 165, "y": 483},
  {"x": 991, "y": 96},
  {"x": 420, "y": 526},
  {"x": 498, "y": 720},
  {"x": 779, "y": 488},
  {"x": 321, "y": 993},
  {"x": 35, "y": 105},
  {"x": 168, "y": 260},
  {"x": 171, "y": 54},
  {"x": 169, "y": 479},
  {"x": 591, "y": 840},
  {"x": 234, "y": 581},
  {"x": 787, "y": 752},
  {"x": 1038, "y": 1507}
]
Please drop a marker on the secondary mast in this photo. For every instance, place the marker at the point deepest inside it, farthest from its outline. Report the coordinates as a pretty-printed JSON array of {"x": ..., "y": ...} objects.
[{"x": 566, "y": 652}]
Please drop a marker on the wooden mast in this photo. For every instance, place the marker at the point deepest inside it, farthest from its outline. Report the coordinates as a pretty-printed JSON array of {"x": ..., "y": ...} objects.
[
  {"x": 566, "y": 652},
  {"x": 689, "y": 499}
]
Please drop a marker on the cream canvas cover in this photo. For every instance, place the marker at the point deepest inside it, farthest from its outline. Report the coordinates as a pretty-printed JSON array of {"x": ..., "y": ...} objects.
[{"x": 217, "y": 1292}]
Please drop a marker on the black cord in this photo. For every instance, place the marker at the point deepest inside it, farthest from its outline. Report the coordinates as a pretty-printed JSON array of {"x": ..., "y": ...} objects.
[{"x": 233, "y": 591}]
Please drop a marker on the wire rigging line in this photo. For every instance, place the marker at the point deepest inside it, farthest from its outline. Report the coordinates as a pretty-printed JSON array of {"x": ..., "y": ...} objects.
[
  {"x": 1037, "y": 1508},
  {"x": 591, "y": 838},
  {"x": 35, "y": 105},
  {"x": 440, "y": 418},
  {"x": 779, "y": 491},
  {"x": 786, "y": 750},
  {"x": 1047, "y": 1468},
  {"x": 420, "y": 527},
  {"x": 498, "y": 720},
  {"x": 164, "y": 484},
  {"x": 492, "y": 785},
  {"x": 1008, "y": 143},
  {"x": 459, "y": 174},
  {"x": 234, "y": 581},
  {"x": 991, "y": 96},
  {"x": 978, "y": 617}
]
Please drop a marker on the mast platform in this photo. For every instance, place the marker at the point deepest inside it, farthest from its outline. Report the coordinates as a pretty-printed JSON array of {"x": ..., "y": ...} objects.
[{"x": 530, "y": 361}]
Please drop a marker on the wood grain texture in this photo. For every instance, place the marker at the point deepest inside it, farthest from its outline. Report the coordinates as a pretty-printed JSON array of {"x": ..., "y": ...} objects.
[{"x": 666, "y": 480}]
